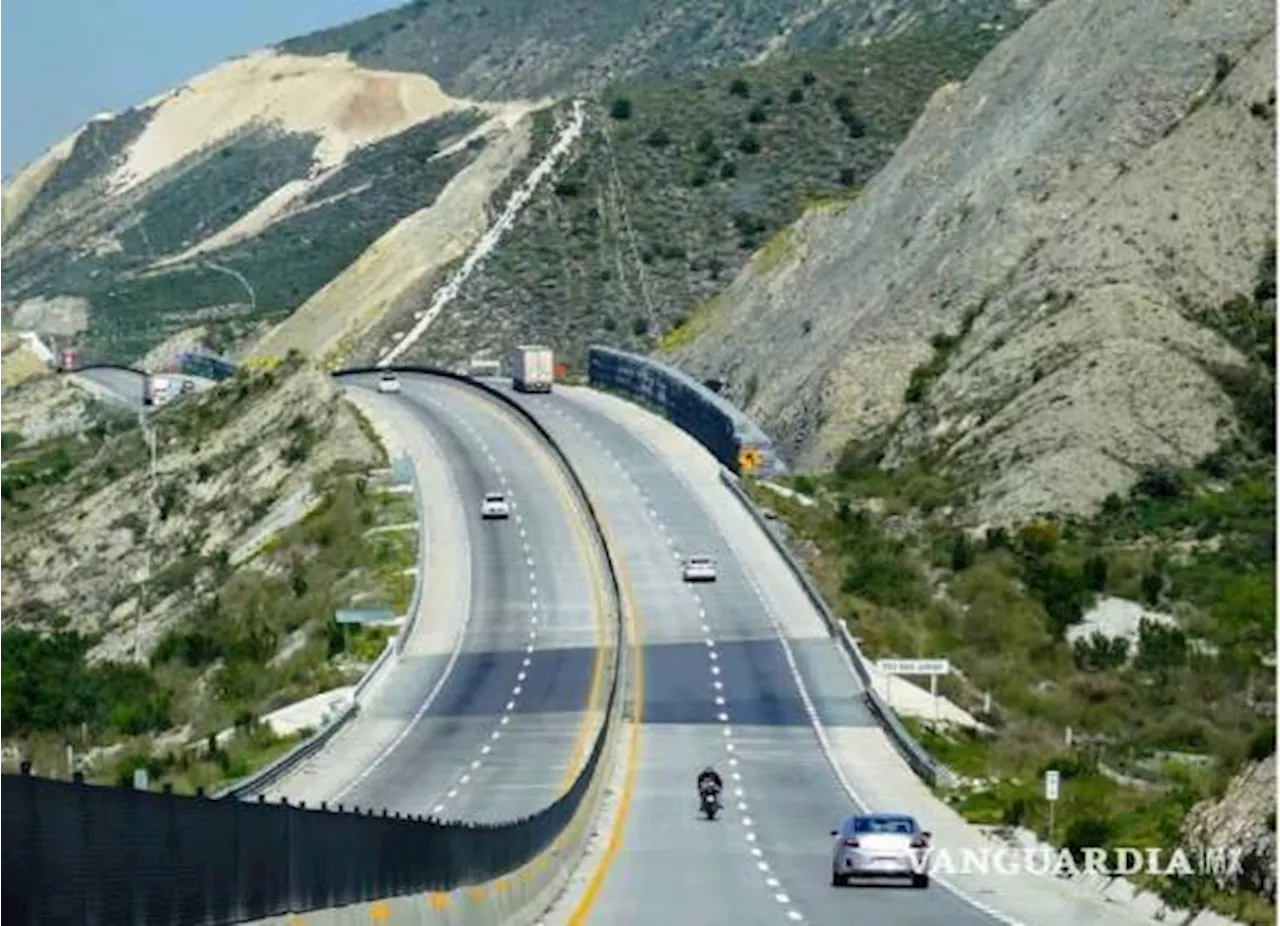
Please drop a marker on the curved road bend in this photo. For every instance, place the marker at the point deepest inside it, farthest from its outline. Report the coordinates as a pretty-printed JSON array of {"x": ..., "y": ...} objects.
[
  {"x": 498, "y": 737},
  {"x": 719, "y": 689}
]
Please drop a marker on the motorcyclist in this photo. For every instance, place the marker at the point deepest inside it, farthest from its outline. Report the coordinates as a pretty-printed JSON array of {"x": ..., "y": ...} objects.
[{"x": 709, "y": 780}]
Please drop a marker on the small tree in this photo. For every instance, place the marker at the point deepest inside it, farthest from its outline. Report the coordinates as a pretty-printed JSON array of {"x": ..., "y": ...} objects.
[
  {"x": 749, "y": 144},
  {"x": 961, "y": 552},
  {"x": 658, "y": 138},
  {"x": 757, "y": 115},
  {"x": 1095, "y": 572},
  {"x": 621, "y": 108},
  {"x": 739, "y": 87},
  {"x": 808, "y": 78},
  {"x": 795, "y": 96}
]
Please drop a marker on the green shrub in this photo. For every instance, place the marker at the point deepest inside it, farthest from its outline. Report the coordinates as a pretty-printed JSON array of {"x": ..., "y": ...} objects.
[
  {"x": 739, "y": 87},
  {"x": 1087, "y": 832},
  {"x": 49, "y": 687},
  {"x": 620, "y": 108},
  {"x": 1160, "y": 647},
  {"x": 658, "y": 138},
  {"x": 1100, "y": 653},
  {"x": 1263, "y": 742},
  {"x": 961, "y": 552}
]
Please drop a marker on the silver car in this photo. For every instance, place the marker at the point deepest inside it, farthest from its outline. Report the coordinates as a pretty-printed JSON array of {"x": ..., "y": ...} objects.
[{"x": 880, "y": 845}]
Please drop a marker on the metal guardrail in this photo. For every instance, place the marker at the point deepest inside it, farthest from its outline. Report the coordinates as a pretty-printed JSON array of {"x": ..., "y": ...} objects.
[
  {"x": 411, "y": 618},
  {"x": 273, "y": 772},
  {"x": 920, "y": 761}
]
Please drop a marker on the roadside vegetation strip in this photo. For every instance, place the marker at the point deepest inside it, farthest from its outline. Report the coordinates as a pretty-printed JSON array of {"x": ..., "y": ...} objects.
[{"x": 1001, "y": 606}]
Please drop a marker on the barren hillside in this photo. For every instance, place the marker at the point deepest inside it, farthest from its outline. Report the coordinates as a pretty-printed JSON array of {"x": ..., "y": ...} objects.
[
  {"x": 1026, "y": 273},
  {"x": 230, "y": 200}
]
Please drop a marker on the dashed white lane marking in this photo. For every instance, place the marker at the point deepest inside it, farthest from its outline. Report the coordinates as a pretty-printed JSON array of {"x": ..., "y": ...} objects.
[
  {"x": 526, "y": 662},
  {"x": 722, "y": 714}
]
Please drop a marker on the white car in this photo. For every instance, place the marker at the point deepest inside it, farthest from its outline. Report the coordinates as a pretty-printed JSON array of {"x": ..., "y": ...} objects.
[
  {"x": 699, "y": 569},
  {"x": 880, "y": 845},
  {"x": 495, "y": 505},
  {"x": 388, "y": 383}
]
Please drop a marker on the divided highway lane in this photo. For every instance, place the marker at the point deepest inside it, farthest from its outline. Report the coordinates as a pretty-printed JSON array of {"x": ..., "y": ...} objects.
[
  {"x": 527, "y": 693},
  {"x": 498, "y": 738},
  {"x": 720, "y": 689}
]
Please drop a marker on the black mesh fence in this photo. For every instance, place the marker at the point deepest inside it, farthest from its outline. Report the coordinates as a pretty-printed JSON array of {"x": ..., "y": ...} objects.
[{"x": 76, "y": 853}]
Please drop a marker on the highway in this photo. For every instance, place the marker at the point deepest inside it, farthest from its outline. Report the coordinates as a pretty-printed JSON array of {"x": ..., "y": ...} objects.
[
  {"x": 126, "y": 385},
  {"x": 498, "y": 729},
  {"x": 720, "y": 688}
]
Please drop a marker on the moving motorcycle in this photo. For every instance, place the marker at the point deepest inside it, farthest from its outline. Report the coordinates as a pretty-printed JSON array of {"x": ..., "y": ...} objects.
[{"x": 710, "y": 800}]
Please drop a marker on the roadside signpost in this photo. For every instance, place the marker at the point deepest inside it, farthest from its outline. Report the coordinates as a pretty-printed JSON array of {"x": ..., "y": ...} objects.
[
  {"x": 1052, "y": 780},
  {"x": 930, "y": 667}
]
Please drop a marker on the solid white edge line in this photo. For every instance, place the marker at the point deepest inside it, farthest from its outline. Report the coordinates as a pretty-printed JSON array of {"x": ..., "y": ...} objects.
[{"x": 459, "y": 639}]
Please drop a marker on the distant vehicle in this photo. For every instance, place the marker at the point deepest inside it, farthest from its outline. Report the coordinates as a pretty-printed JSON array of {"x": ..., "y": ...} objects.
[
  {"x": 880, "y": 845},
  {"x": 388, "y": 382},
  {"x": 158, "y": 390},
  {"x": 188, "y": 385},
  {"x": 532, "y": 368},
  {"x": 69, "y": 360},
  {"x": 483, "y": 366},
  {"x": 699, "y": 569},
  {"x": 495, "y": 505}
]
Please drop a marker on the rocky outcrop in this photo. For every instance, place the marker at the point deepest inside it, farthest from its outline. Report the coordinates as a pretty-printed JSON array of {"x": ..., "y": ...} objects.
[
  {"x": 1243, "y": 819},
  {"x": 1105, "y": 170}
]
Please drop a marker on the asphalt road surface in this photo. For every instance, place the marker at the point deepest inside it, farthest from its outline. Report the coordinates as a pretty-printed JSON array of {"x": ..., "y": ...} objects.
[
  {"x": 719, "y": 689},
  {"x": 509, "y": 725}
]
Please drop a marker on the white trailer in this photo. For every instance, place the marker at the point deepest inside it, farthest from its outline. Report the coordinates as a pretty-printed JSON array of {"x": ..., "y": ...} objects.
[
  {"x": 159, "y": 390},
  {"x": 532, "y": 368}
]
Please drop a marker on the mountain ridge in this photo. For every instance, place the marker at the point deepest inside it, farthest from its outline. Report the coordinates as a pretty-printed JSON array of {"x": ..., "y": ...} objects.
[{"x": 1029, "y": 198}]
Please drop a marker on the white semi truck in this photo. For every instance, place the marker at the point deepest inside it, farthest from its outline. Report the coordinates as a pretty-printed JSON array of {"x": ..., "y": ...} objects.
[
  {"x": 532, "y": 368},
  {"x": 159, "y": 390}
]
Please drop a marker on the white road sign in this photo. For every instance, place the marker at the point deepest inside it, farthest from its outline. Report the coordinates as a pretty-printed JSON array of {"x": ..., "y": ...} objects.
[
  {"x": 914, "y": 666},
  {"x": 1051, "y": 781}
]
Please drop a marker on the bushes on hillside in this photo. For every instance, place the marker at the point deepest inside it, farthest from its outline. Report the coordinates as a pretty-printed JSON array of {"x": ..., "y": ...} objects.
[{"x": 49, "y": 687}]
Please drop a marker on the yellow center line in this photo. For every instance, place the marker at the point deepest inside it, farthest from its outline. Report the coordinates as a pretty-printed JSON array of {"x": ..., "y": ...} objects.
[{"x": 634, "y": 633}]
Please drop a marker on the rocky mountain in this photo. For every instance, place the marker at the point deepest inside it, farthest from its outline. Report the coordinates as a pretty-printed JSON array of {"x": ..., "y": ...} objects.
[
  {"x": 1039, "y": 286},
  {"x": 1241, "y": 821},
  {"x": 339, "y": 177}
]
